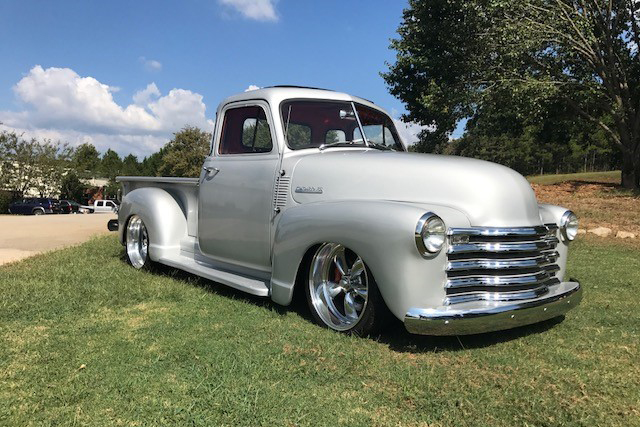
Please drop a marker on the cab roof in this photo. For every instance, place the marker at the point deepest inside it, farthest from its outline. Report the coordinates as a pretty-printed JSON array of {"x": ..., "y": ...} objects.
[{"x": 274, "y": 95}]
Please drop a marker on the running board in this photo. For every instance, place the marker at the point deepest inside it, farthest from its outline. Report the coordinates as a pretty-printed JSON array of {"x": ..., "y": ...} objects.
[{"x": 246, "y": 284}]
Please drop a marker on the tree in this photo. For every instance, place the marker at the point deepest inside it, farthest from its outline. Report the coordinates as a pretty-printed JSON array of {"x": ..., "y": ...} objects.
[
  {"x": 130, "y": 166},
  {"x": 553, "y": 140},
  {"x": 184, "y": 154},
  {"x": 150, "y": 165},
  {"x": 453, "y": 56},
  {"x": 110, "y": 165},
  {"x": 71, "y": 187},
  {"x": 19, "y": 158},
  {"x": 53, "y": 160},
  {"x": 27, "y": 163},
  {"x": 86, "y": 160}
]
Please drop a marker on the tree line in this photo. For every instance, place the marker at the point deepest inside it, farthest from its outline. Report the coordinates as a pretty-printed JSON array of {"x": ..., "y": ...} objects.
[{"x": 54, "y": 169}]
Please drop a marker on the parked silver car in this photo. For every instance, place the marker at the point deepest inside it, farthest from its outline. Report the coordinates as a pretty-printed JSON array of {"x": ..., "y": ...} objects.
[{"x": 312, "y": 191}]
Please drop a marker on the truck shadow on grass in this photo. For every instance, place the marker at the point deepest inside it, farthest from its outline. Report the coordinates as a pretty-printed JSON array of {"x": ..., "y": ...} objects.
[
  {"x": 395, "y": 336},
  {"x": 403, "y": 342}
]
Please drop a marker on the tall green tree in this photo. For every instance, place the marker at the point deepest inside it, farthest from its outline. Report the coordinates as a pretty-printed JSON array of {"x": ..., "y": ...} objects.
[
  {"x": 110, "y": 165},
  {"x": 151, "y": 165},
  {"x": 454, "y": 55},
  {"x": 130, "y": 166},
  {"x": 72, "y": 188},
  {"x": 184, "y": 154},
  {"x": 86, "y": 161}
]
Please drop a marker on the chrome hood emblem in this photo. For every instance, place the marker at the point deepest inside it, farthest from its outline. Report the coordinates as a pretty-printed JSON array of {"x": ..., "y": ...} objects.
[{"x": 309, "y": 190}]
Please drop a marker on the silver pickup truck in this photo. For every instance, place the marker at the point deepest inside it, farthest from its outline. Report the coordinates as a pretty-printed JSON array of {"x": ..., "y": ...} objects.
[{"x": 312, "y": 191}]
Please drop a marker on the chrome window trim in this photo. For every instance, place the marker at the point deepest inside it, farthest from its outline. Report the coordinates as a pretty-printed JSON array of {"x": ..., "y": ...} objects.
[
  {"x": 275, "y": 149},
  {"x": 364, "y": 137},
  {"x": 336, "y": 101}
]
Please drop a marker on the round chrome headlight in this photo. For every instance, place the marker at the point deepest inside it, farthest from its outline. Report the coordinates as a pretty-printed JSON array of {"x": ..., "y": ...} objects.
[
  {"x": 430, "y": 234},
  {"x": 569, "y": 225}
]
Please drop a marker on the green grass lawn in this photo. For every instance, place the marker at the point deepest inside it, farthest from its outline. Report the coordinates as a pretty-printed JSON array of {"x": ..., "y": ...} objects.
[
  {"x": 87, "y": 340},
  {"x": 610, "y": 176}
]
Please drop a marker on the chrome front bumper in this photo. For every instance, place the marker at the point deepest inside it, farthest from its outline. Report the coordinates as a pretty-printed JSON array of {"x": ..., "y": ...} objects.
[{"x": 478, "y": 317}]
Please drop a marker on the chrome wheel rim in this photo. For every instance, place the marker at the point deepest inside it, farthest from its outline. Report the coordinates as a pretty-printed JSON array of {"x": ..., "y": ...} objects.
[
  {"x": 137, "y": 242},
  {"x": 339, "y": 286}
]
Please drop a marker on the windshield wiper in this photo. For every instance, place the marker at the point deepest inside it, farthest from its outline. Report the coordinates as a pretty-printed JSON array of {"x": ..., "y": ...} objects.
[
  {"x": 341, "y": 143},
  {"x": 380, "y": 146}
]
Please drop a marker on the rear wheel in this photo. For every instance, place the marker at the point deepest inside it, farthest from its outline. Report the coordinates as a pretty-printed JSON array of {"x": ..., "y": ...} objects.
[
  {"x": 342, "y": 293},
  {"x": 137, "y": 243},
  {"x": 38, "y": 211}
]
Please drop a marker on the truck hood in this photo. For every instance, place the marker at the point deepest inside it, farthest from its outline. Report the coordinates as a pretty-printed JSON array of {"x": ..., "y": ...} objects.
[{"x": 487, "y": 193}]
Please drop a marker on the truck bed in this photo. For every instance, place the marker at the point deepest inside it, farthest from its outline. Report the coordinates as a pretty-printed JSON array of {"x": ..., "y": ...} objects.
[{"x": 184, "y": 190}]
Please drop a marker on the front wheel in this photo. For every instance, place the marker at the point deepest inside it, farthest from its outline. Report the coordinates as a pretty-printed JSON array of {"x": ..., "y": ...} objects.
[
  {"x": 342, "y": 293},
  {"x": 137, "y": 243},
  {"x": 38, "y": 212}
]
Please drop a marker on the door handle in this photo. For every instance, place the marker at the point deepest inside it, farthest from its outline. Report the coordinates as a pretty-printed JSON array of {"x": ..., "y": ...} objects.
[{"x": 209, "y": 170}]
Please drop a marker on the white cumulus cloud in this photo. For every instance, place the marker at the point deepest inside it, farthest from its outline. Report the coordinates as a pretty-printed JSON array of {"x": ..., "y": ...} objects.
[
  {"x": 252, "y": 87},
  {"x": 259, "y": 10},
  {"x": 144, "y": 96},
  {"x": 60, "y": 104}
]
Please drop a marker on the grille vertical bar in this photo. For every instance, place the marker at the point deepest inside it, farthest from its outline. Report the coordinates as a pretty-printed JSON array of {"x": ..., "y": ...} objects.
[{"x": 500, "y": 264}]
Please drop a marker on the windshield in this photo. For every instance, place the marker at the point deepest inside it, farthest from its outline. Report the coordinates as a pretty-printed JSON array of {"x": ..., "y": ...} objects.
[
  {"x": 314, "y": 123},
  {"x": 378, "y": 128},
  {"x": 309, "y": 124}
]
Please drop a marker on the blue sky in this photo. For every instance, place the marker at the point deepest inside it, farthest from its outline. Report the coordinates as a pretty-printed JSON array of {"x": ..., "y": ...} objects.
[{"x": 126, "y": 74}]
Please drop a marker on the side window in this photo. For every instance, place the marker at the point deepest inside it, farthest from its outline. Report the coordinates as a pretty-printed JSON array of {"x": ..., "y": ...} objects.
[
  {"x": 245, "y": 130},
  {"x": 99, "y": 203}
]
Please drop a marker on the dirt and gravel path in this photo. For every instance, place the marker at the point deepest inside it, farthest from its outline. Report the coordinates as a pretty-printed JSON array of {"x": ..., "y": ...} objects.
[{"x": 24, "y": 236}]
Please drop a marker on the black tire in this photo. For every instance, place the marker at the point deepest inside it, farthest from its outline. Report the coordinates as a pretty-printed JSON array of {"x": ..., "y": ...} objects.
[
  {"x": 38, "y": 211},
  {"x": 374, "y": 314}
]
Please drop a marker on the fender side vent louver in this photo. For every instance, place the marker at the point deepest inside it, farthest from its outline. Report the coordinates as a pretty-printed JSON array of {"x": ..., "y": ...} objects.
[{"x": 281, "y": 193}]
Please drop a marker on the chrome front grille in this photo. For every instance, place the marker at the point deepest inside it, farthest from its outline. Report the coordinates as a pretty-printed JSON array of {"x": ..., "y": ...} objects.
[{"x": 500, "y": 264}]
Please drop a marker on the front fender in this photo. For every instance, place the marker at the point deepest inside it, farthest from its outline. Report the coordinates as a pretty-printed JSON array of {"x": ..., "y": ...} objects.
[
  {"x": 162, "y": 214},
  {"x": 381, "y": 232}
]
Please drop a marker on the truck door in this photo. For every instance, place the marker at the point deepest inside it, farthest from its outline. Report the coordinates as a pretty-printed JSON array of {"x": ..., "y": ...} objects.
[{"x": 236, "y": 188}]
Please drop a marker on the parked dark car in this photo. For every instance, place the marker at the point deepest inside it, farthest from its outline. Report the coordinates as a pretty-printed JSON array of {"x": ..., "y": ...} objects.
[
  {"x": 35, "y": 206},
  {"x": 69, "y": 206}
]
